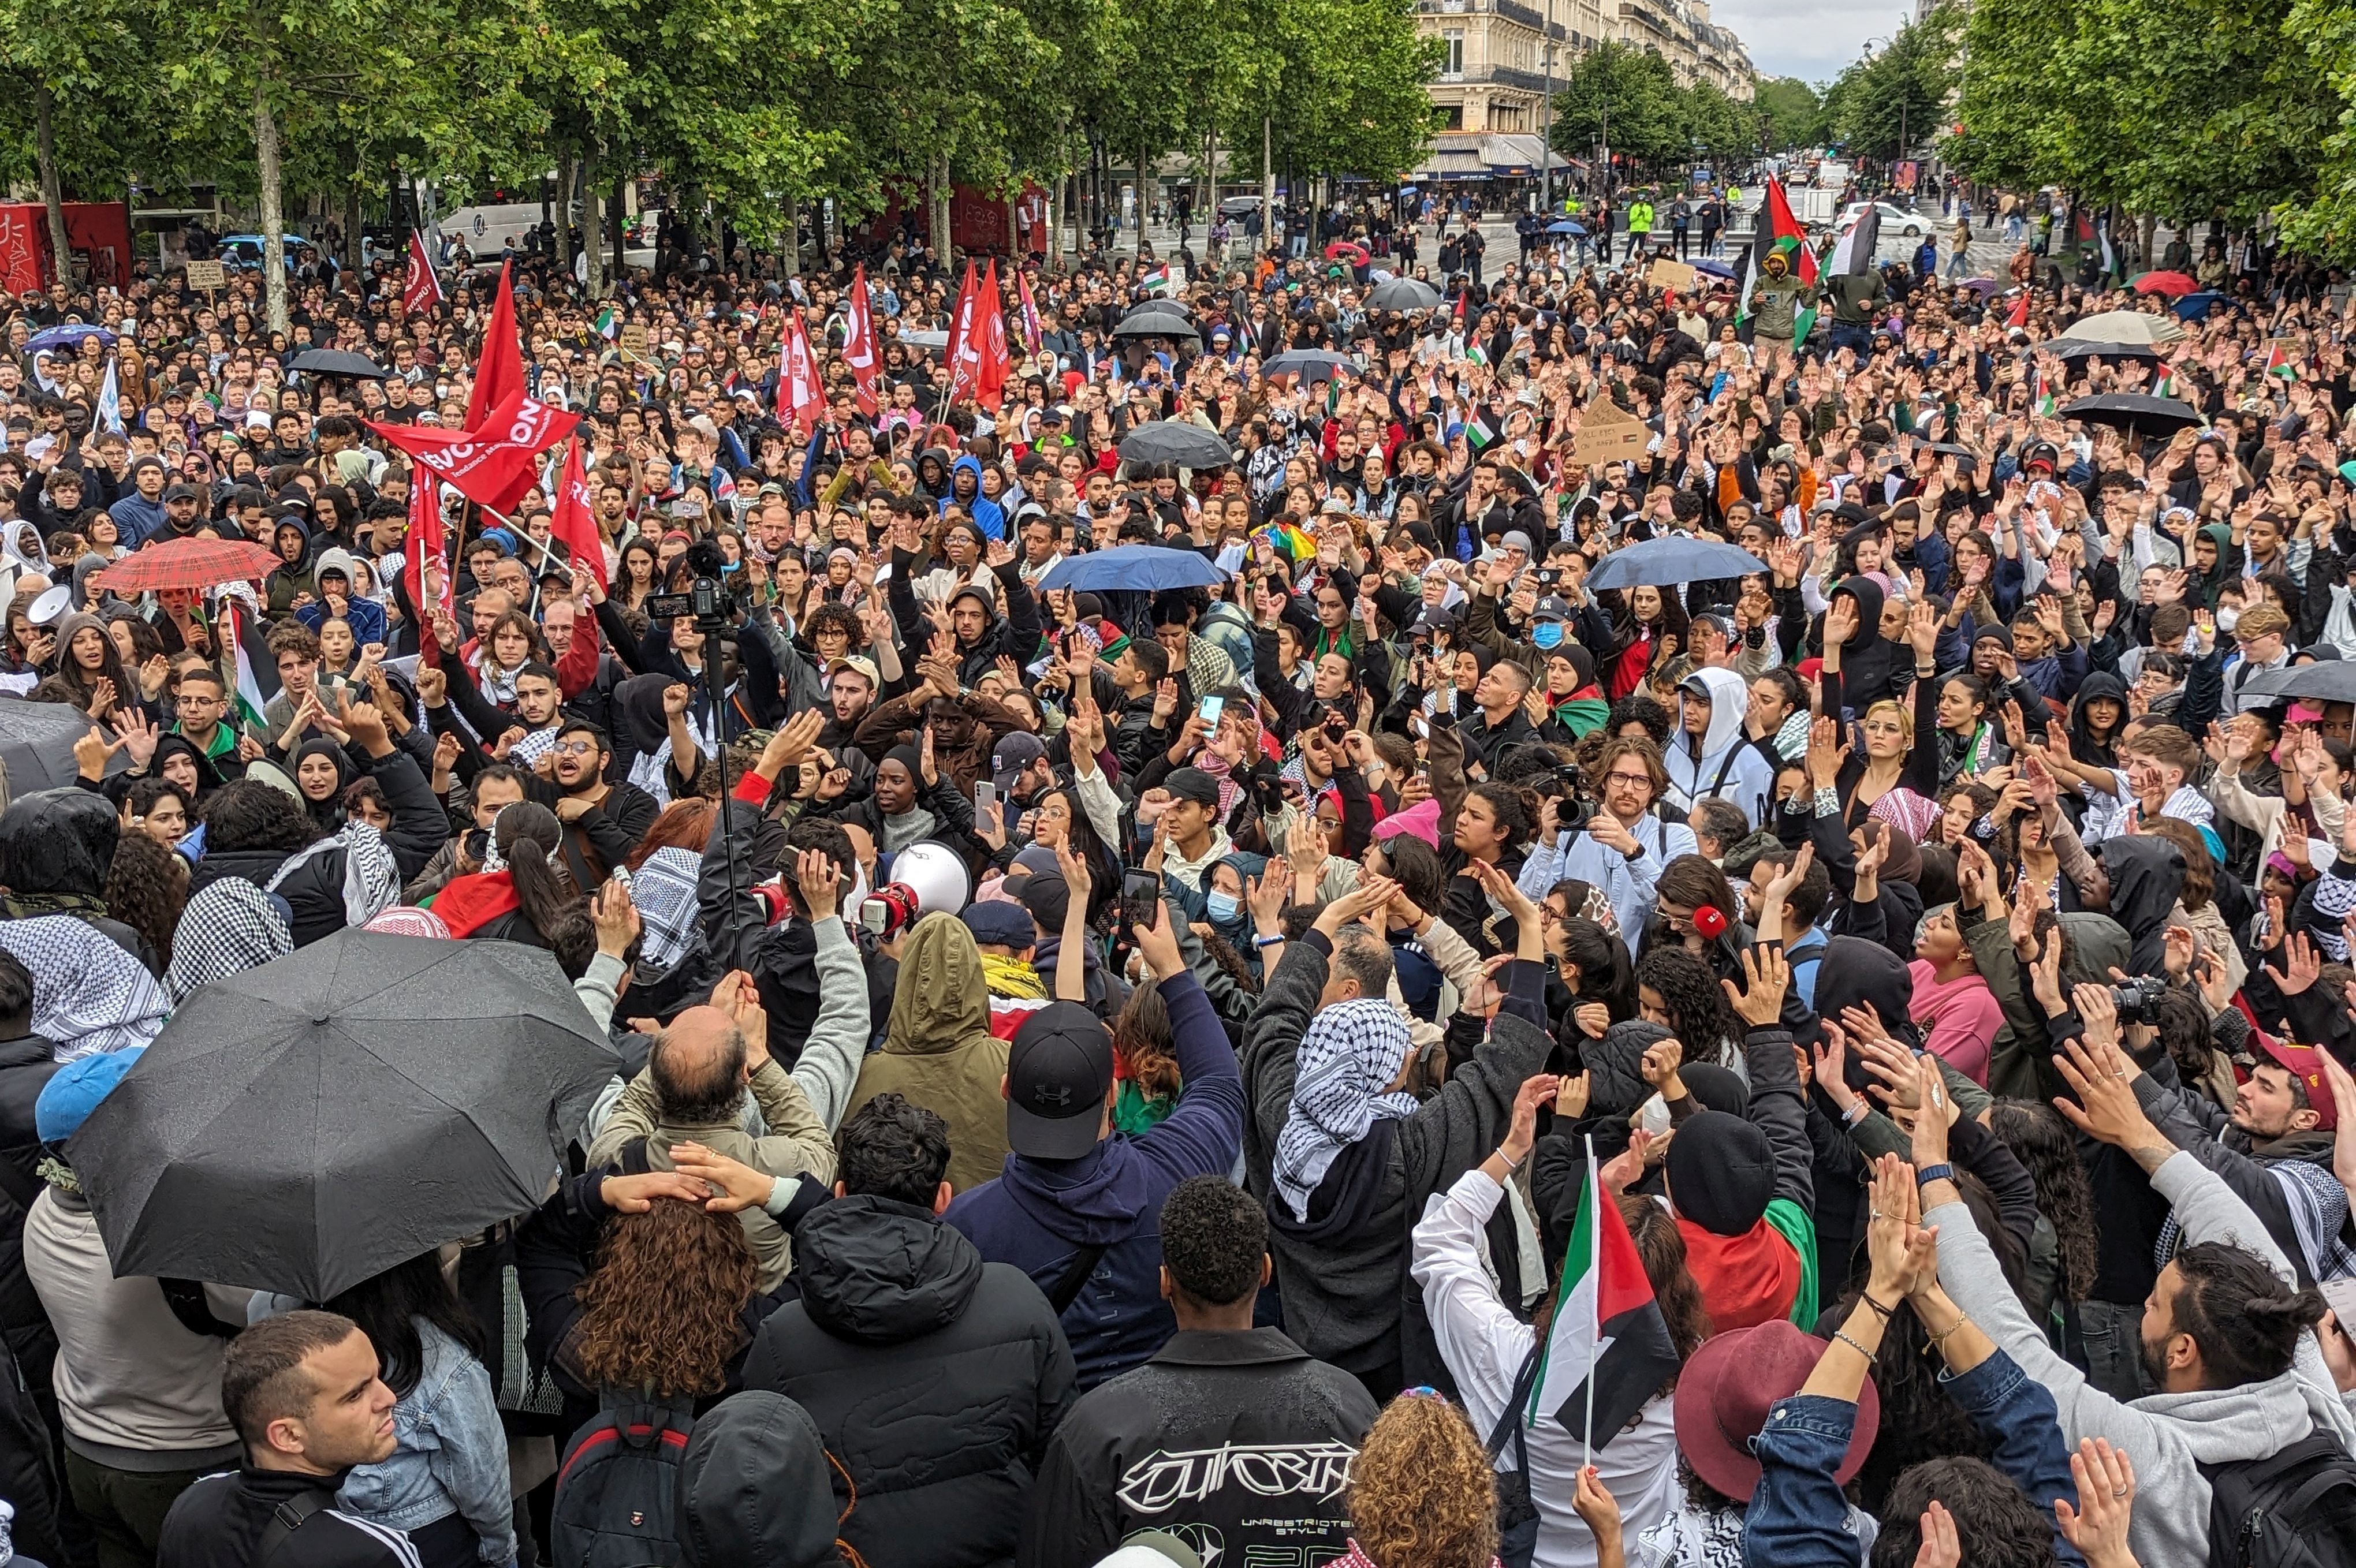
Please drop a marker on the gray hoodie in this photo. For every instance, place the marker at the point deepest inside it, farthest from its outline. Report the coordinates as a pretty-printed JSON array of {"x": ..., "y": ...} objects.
[{"x": 2168, "y": 1435}]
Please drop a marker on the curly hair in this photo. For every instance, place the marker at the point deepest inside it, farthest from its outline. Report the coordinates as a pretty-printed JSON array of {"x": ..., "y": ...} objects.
[
  {"x": 831, "y": 616},
  {"x": 2042, "y": 1142},
  {"x": 1422, "y": 1492},
  {"x": 1995, "y": 1524},
  {"x": 1691, "y": 995},
  {"x": 147, "y": 886},
  {"x": 1638, "y": 709},
  {"x": 661, "y": 1309},
  {"x": 1142, "y": 1038}
]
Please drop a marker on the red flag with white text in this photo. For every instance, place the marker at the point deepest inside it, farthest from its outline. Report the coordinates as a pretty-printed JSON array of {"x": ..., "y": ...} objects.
[
  {"x": 989, "y": 339},
  {"x": 490, "y": 465},
  {"x": 426, "y": 544},
  {"x": 859, "y": 340},
  {"x": 800, "y": 395},
  {"x": 422, "y": 291},
  {"x": 964, "y": 347}
]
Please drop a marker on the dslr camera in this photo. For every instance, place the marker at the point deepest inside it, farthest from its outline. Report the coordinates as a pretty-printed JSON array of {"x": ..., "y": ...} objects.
[{"x": 2138, "y": 999}]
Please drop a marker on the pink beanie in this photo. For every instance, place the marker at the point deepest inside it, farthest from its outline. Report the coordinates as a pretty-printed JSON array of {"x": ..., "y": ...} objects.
[{"x": 1422, "y": 819}]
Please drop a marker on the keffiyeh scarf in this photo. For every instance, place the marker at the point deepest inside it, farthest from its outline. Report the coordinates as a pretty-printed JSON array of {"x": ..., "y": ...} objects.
[
  {"x": 88, "y": 995},
  {"x": 227, "y": 928},
  {"x": 1349, "y": 1055},
  {"x": 371, "y": 879},
  {"x": 664, "y": 891}
]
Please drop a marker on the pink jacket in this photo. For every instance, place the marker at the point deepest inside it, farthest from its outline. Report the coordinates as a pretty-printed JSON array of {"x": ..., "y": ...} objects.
[{"x": 1962, "y": 1015}]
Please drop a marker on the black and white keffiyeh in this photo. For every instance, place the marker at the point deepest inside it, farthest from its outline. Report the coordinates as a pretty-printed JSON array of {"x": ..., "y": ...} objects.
[
  {"x": 228, "y": 927},
  {"x": 88, "y": 995},
  {"x": 663, "y": 889},
  {"x": 1349, "y": 1055},
  {"x": 371, "y": 879}
]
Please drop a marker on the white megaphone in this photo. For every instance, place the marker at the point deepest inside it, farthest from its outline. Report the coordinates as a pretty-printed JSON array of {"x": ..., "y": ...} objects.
[{"x": 937, "y": 874}]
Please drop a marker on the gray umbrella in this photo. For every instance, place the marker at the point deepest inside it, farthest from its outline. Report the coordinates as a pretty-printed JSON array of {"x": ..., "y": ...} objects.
[
  {"x": 2326, "y": 681},
  {"x": 323, "y": 1118},
  {"x": 1404, "y": 294},
  {"x": 1156, "y": 324},
  {"x": 1174, "y": 441},
  {"x": 1311, "y": 364},
  {"x": 37, "y": 742},
  {"x": 335, "y": 362}
]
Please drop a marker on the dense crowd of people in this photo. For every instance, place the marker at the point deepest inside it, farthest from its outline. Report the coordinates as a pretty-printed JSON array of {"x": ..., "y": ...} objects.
[{"x": 1133, "y": 1074}]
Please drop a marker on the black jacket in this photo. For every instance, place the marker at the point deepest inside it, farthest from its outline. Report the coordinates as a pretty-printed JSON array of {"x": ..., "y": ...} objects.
[
  {"x": 934, "y": 1377},
  {"x": 754, "y": 1489},
  {"x": 218, "y": 1522},
  {"x": 1144, "y": 1452}
]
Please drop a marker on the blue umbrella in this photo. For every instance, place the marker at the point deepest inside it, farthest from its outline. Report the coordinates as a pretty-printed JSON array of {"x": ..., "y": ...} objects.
[
  {"x": 1133, "y": 567},
  {"x": 68, "y": 336},
  {"x": 1564, "y": 226},
  {"x": 2196, "y": 307},
  {"x": 1715, "y": 269},
  {"x": 1680, "y": 558}
]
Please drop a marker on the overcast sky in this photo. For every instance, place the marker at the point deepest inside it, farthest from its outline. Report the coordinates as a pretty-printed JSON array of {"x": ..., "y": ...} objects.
[{"x": 1810, "y": 39}]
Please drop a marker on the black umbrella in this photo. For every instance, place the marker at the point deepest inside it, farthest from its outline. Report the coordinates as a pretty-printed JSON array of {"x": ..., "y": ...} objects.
[
  {"x": 334, "y": 362},
  {"x": 1309, "y": 363},
  {"x": 1404, "y": 294},
  {"x": 2087, "y": 348},
  {"x": 1156, "y": 324},
  {"x": 323, "y": 1118},
  {"x": 1174, "y": 441},
  {"x": 1171, "y": 303},
  {"x": 2134, "y": 411},
  {"x": 37, "y": 742},
  {"x": 1964, "y": 456}
]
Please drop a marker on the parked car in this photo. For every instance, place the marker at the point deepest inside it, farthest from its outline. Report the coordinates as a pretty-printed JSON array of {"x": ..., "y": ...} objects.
[
  {"x": 1895, "y": 219},
  {"x": 242, "y": 252}
]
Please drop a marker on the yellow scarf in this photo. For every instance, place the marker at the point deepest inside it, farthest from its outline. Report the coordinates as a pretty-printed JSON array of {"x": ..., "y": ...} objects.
[{"x": 1011, "y": 977}]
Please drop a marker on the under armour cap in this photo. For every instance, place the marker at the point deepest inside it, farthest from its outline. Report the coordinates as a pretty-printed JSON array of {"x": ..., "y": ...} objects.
[{"x": 1058, "y": 1071}]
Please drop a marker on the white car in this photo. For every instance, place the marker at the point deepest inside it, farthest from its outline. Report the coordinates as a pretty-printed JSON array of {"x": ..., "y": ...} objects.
[{"x": 1895, "y": 219}]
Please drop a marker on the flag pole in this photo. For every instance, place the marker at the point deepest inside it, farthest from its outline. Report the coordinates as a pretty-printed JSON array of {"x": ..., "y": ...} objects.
[{"x": 1595, "y": 1339}]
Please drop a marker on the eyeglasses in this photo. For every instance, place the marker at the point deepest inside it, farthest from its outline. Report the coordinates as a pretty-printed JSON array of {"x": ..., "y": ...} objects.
[
  {"x": 1631, "y": 780},
  {"x": 575, "y": 748}
]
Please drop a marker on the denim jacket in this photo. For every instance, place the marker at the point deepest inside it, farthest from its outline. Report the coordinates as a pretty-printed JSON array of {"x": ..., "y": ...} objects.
[
  {"x": 452, "y": 1455},
  {"x": 1798, "y": 1516}
]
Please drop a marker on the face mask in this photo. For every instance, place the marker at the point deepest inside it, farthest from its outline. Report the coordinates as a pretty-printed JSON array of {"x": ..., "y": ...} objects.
[
  {"x": 1547, "y": 634},
  {"x": 2227, "y": 617},
  {"x": 1223, "y": 908}
]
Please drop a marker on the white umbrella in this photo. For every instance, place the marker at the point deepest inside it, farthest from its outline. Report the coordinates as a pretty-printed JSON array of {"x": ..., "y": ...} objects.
[{"x": 2128, "y": 326}]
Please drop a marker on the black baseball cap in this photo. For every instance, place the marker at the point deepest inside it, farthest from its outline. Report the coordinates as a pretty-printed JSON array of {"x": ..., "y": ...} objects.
[{"x": 1058, "y": 1071}]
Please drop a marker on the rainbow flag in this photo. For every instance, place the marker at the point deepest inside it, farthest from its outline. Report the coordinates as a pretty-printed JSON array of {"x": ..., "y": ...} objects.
[{"x": 1287, "y": 539}]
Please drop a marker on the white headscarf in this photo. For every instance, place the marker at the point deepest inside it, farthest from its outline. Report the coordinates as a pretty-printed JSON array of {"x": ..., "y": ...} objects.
[{"x": 1342, "y": 1077}]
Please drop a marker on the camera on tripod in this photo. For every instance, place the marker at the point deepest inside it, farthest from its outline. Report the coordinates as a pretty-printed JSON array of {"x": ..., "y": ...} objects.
[{"x": 706, "y": 601}]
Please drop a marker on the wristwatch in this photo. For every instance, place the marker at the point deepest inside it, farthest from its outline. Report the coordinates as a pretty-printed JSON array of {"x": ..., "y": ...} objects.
[{"x": 1942, "y": 1171}]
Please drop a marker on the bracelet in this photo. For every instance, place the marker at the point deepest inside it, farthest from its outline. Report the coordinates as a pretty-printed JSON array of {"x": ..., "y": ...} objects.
[
  {"x": 1939, "y": 1339},
  {"x": 1510, "y": 1164},
  {"x": 1842, "y": 1335},
  {"x": 1879, "y": 1310},
  {"x": 1943, "y": 1172},
  {"x": 1267, "y": 940}
]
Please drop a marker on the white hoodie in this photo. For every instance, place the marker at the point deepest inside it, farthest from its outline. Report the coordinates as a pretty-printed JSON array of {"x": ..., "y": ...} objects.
[{"x": 1730, "y": 767}]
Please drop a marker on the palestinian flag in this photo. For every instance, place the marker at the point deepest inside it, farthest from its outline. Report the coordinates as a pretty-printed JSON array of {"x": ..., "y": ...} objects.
[
  {"x": 1162, "y": 280},
  {"x": 2279, "y": 362},
  {"x": 1609, "y": 1350},
  {"x": 609, "y": 324},
  {"x": 248, "y": 696},
  {"x": 1479, "y": 432},
  {"x": 1779, "y": 230},
  {"x": 2164, "y": 384}
]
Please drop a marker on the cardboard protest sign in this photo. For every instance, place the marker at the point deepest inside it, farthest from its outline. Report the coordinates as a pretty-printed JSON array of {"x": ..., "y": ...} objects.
[
  {"x": 1609, "y": 433},
  {"x": 1673, "y": 277}
]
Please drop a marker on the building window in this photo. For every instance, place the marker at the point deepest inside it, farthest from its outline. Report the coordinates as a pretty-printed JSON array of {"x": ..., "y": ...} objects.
[
  {"x": 1452, "y": 116},
  {"x": 1451, "y": 62}
]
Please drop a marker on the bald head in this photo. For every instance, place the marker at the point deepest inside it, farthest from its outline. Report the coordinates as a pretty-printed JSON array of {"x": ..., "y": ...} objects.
[{"x": 699, "y": 1067}]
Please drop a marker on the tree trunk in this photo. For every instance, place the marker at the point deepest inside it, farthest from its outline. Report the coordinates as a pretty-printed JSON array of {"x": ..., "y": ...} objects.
[
  {"x": 617, "y": 219},
  {"x": 1144, "y": 194},
  {"x": 593, "y": 237},
  {"x": 1266, "y": 182},
  {"x": 352, "y": 224},
  {"x": 789, "y": 249},
  {"x": 45, "y": 138},
  {"x": 273, "y": 216},
  {"x": 1014, "y": 221},
  {"x": 936, "y": 212},
  {"x": 1056, "y": 201},
  {"x": 568, "y": 169}
]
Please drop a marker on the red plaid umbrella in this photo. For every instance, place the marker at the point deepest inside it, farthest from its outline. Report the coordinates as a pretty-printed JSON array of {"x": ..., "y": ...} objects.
[{"x": 189, "y": 564}]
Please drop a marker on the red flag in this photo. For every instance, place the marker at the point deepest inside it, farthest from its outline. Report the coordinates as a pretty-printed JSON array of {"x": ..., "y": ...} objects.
[
  {"x": 422, "y": 290},
  {"x": 2019, "y": 316},
  {"x": 1031, "y": 336},
  {"x": 499, "y": 375},
  {"x": 989, "y": 333},
  {"x": 964, "y": 347},
  {"x": 574, "y": 526},
  {"x": 426, "y": 544},
  {"x": 859, "y": 340},
  {"x": 799, "y": 394},
  {"x": 490, "y": 465}
]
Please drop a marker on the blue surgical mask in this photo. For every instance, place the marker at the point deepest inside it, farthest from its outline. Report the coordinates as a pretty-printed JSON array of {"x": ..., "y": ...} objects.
[
  {"x": 1223, "y": 908},
  {"x": 1547, "y": 634}
]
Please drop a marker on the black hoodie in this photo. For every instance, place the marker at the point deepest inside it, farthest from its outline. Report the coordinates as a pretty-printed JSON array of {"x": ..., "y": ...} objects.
[
  {"x": 934, "y": 1377},
  {"x": 2146, "y": 876},
  {"x": 755, "y": 1490}
]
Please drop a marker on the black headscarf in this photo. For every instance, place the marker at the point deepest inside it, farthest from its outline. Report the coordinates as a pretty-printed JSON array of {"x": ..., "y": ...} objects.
[{"x": 1869, "y": 664}]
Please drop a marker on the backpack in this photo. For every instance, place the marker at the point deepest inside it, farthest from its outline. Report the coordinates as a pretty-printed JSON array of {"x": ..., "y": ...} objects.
[
  {"x": 2295, "y": 1508},
  {"x": 617, "y": 1493}
]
